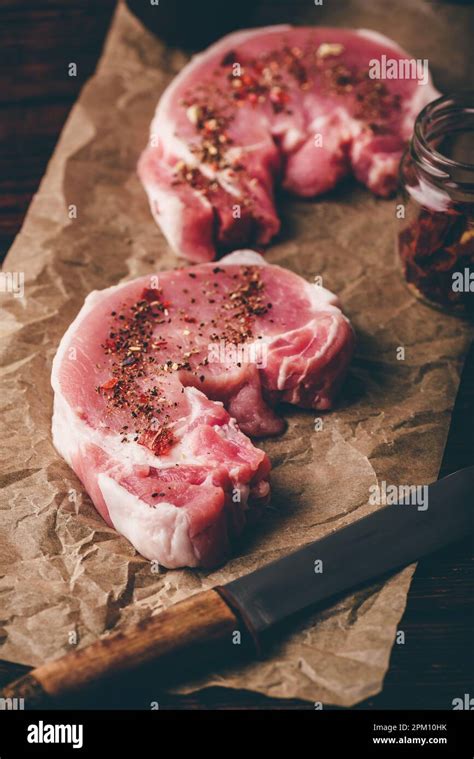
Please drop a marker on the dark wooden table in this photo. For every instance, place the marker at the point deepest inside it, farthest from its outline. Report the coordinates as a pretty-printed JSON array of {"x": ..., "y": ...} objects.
[{"x": 38, "y": 41}]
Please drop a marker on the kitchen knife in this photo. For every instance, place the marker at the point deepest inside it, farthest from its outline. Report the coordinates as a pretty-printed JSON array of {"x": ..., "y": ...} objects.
[
  {"x": 208, "y": 622},
  {"x": 206, "y": 627}
]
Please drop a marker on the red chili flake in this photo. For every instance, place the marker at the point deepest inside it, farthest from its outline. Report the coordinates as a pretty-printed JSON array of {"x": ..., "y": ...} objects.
[
  {"x": 278, "y": 96},
  {"x": 109, "y": 344},
  {"x": 159, "y": 442},
  {"x": 190, "y": 320},
  {"x": 210, "y": 125},
  {"x": 110, "y": 384}
]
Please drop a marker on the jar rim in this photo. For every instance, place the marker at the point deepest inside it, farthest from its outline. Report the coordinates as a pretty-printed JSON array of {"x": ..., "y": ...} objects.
[{"x": 432, "y": 113}]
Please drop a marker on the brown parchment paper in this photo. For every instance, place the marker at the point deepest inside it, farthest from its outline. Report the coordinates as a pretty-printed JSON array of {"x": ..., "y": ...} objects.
[{"x": 65, "y": 577}]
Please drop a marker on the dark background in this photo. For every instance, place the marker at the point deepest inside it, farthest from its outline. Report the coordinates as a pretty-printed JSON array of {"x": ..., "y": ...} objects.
[{"x": 38, "y": 40}]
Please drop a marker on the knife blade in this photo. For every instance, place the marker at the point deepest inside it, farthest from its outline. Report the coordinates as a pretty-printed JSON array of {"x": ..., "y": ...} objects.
[
  {"x": 202, "y": 628},
  {"x": 392, "y": 537}
]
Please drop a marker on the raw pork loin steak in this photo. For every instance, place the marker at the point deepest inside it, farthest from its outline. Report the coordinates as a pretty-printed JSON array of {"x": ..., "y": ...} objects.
[
  {"x": 295, "y": 106},
  {"x": 159, "y": 381}
]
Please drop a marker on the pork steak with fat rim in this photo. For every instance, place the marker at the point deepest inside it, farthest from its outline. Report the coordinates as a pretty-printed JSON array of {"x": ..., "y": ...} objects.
[
  {"x": 158, "y": 382},
  {"x": 276, "y": 105}
]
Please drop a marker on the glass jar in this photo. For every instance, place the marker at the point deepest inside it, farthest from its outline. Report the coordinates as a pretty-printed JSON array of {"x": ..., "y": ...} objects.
[{"x": 435, "y": 236}]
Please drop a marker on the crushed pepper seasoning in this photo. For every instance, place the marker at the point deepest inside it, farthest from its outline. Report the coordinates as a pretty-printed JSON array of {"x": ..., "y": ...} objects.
[
  {"x": 140, "y": 358},
  {"x": 268, "y": 80}
]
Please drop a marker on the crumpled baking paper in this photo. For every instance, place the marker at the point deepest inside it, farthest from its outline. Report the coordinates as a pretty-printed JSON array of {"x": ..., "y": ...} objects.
[{"x": 65, "y": 577}]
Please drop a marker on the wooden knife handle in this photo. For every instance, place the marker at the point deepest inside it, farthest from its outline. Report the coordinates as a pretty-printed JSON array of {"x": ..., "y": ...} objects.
[{"x": 195, "y": 627}]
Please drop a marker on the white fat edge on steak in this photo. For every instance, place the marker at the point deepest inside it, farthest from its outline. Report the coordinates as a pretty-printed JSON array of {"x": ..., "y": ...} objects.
[
  {"x": 381, "y": 39},
  {"x": 168, "y": 210},
  {"x": 159, "y": 533}
]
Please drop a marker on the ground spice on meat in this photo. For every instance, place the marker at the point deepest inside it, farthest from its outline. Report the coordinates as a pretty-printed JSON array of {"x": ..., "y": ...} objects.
[
  {"x": 269, "y": 78},
  {"x": 135, "y": 345}
]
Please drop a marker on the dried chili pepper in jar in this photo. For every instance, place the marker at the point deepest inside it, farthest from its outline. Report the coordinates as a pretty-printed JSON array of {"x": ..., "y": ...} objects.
[{"x": 435, "y": 237}]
